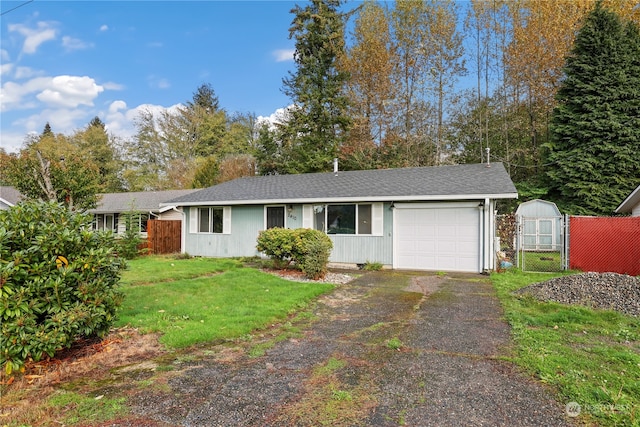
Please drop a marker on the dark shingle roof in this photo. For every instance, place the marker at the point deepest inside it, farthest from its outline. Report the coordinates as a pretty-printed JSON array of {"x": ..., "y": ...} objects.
[
  {"x": 144, "y": 201},
  {"x": 10, "y": 195},
  {"x": 472, "y": 181}
]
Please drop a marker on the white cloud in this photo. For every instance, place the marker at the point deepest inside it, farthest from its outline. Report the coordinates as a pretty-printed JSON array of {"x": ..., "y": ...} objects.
[
  {"x": 70, "y": 91},
  {"x": 6, "y": 69},
  {"x": 113, "y": 86},
  {"x": 120, "y": 121},
  {"x": 4, "y": 55},
  {"x": 104, "y": 27},
  {"x": 158, "y": 82},
  {"x": 34, "y": 37},
  {"x": 60, "y": 91},
  {"x": 12, "y": 141},
  {"x": 27, "y": 73},
  {"x": 281, "y": 115},
  {"x": 70, "y": 43},
  {"x": 283, "y": 55},
  {"x": 155, "y": 44}
]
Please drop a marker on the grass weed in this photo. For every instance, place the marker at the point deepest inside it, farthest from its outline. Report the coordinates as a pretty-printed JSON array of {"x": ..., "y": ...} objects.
[
  {"x": 214, "y": 308},
  {"x": 591, "y": 357}
]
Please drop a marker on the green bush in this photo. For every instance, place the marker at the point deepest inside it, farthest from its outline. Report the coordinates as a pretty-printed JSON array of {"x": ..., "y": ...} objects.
[
  {"x": 278, "y": 244},
  {"x": 314, "y": 251},
  {"x": 308, "y": 249},
  {"x": 58, "y": 281},
  {"x": 129, "y": 242}
]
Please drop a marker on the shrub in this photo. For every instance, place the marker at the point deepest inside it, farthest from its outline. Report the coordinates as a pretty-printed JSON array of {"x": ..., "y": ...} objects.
[
  {"x": 58, "y": 281},
  {"x": 278, "y": 244},
  {"x": 313, "y": 249},
  {"x": 309, "y": 249},
  {"x": 372, "y": 266},
  {"x": 130, "y": 241}
]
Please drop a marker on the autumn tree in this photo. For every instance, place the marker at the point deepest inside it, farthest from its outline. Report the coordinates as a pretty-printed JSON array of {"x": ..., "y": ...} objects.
[
  {"x": 596, "y": 125},
  {"x": 318, "y": 121},
  {"x": 369, "y": 63},
  {"x": 51, "y": 168},
  {"x": 95, "y": 144}
]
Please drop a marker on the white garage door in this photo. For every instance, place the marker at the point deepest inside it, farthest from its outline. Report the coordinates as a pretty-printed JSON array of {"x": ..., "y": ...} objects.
[{"x": 438, "y": 237}]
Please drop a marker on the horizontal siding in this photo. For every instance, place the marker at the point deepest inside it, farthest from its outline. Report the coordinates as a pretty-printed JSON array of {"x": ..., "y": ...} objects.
[
  {"x": 246, "y": 223},
  {"x": 355, "y": 249}
]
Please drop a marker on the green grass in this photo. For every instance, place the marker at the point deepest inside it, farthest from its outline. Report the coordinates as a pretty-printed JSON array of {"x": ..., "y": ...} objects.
[
  {"x": 541, "y": 261},
  {"x": 591, "y": 357},
  {"x": 153, "y": 269},
  {"x": 209, "y": 300},
  {"x": 76, "y": 408}
]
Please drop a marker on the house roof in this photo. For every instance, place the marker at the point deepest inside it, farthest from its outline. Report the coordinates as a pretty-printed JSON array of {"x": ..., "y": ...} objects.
[
  {"x": 627, "y": 205},
  {"x": 9, "y": 195},
  {"x": 454, "y": 182},
  {"x": 143, "y": 201}
]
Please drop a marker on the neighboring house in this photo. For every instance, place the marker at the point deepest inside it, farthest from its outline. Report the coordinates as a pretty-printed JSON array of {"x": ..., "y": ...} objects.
[
  {"x": 9, "y": 196},
  {"x": 631, "y": 204},
  {"x": 541, "y": 226},
  {"x": 429, "y": 218},
  {"x": 111, "y": 206}
]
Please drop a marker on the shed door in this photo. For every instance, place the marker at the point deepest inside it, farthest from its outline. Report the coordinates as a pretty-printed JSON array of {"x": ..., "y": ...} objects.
[{"x": 438, "y": 237}]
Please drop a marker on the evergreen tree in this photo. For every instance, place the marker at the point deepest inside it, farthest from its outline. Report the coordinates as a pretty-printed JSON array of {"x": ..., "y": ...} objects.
[
  {"x": 595, "y": 146},
  {"x": 318, "y": 121}
]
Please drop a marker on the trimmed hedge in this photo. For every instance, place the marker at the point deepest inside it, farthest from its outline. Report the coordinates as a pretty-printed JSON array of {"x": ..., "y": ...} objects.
[
  {"x": 309, "y": 249},
  {"x": 58, "y": 281}
]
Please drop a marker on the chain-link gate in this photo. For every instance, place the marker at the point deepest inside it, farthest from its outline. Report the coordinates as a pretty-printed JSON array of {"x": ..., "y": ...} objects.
[{"x": 532, "y": 243}]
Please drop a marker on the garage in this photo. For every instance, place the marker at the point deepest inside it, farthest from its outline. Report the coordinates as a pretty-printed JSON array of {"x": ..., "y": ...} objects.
[{"x": 439, "y": 236}]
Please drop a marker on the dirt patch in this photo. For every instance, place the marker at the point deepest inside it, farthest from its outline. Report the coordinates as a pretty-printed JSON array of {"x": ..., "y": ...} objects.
[
  {"x": 86, "y": 362},
  {"x": 426, "y": 285}
]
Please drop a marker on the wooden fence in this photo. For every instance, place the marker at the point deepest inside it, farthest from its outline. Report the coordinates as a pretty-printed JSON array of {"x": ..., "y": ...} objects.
[
  {"x": 164, "y": 236},
  {"x": 604, "y": 244}
]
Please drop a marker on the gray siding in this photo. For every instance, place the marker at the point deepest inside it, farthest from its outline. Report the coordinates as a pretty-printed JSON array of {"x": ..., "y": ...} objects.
[
  {"x": 246, "y": 222},
  {"x": 362, "y": 249}
]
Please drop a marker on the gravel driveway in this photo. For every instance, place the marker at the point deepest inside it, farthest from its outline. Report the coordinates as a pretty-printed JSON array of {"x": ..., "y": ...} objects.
[{"x": 389, "y": 348}]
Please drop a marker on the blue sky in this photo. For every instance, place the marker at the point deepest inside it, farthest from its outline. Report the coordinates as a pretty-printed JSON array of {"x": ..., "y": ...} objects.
[{"x": 65, "y": 62}]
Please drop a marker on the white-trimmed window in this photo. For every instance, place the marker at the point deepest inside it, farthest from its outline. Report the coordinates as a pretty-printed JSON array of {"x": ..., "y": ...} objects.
[
  {"x": 359, "y": 219},
  {"x": 210, "y": 220},
  {"x": 106, "y": 222}
]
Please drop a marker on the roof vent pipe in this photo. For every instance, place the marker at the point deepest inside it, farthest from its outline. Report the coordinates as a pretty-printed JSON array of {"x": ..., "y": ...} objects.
[
  {"x": 335, "y": 166},
  {"x": 488, "y": 160}
]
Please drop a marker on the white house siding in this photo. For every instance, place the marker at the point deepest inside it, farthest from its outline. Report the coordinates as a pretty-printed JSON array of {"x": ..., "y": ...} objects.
[{"x": 170, "y": 215}]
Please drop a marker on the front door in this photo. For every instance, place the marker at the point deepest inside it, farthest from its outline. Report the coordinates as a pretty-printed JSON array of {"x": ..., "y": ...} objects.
[{"x": 275, "y": 216}]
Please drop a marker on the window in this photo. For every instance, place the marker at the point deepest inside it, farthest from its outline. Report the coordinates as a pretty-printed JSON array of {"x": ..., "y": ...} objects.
[
  {"x": 275, "y": 216},
  {"x": 106, "y": 222},
  {"x": 210, "y": 220},
  {"x": 343, "y": 219}
]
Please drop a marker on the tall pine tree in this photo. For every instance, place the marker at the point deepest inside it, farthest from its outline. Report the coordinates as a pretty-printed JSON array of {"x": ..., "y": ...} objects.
[
  {"x": 318, "y": 120},
  {"x": 595, "y": 147}
]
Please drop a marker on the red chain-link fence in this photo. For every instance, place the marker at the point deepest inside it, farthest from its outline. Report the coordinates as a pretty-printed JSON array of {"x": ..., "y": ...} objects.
[{"x": 604, "y": 244}]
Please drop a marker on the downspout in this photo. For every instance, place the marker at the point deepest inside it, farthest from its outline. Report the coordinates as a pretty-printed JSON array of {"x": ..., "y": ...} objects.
[
  {"x": 487, "y": 244},
  {"x": 183, "y": 233}
]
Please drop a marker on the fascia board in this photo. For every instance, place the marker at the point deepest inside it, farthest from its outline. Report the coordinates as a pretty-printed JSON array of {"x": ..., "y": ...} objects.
[
  {"x": 346, "y": 200},
  {"x": 628, "y": 203}
]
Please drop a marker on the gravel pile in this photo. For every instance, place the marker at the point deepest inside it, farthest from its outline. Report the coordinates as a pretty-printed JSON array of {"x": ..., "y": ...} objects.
[{"x": 597, "y": 290}]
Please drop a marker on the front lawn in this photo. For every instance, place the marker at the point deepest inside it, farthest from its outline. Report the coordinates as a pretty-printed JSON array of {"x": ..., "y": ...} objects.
[
  {"x": 191, "y": 301},
  {"x": 591, "y": 357}
]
